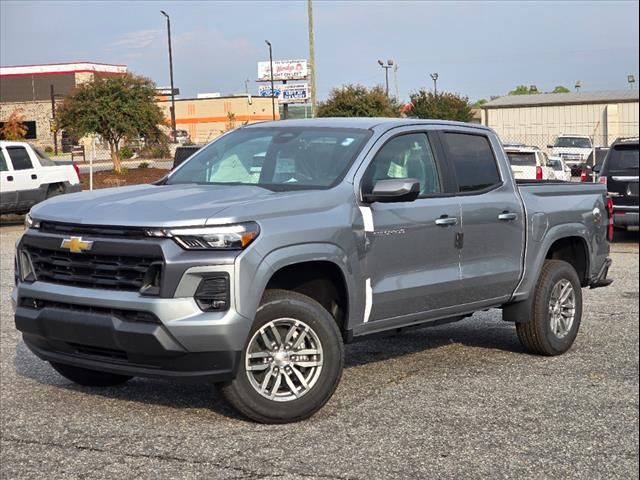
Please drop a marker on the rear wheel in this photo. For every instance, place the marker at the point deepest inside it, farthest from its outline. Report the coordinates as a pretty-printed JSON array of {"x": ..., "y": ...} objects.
[
  {"x": 292, "y": 362},
  {"x": 557, "y": 311},
  {"x": 89, "y": 378}
]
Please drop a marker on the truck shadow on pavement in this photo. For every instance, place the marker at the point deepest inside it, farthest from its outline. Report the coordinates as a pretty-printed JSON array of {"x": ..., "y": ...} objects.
[{"x": 422, "y": 343}]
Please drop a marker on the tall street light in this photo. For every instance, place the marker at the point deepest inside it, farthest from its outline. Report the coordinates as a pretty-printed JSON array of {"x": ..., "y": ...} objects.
[
  {"x": 273, "y": 98},
  {"x": 386, "y": 67},
  {"x": 173, "y": 98},
  {"x": 434, "y": 77}
]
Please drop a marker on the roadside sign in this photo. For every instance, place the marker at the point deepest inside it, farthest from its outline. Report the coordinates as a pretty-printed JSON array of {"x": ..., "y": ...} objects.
[
  {"x": 283, "y": 70},
  {"x": 166, "y": 91},
  {"x": 289, "y": 93}
]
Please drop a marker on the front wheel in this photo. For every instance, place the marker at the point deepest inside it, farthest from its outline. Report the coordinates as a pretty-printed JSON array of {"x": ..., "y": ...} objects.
[
  {"x": 556, "y": 313},
  {"x": 291, "y": 364}
]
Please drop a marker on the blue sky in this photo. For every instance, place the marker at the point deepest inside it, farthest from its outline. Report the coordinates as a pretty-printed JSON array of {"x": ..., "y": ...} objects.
[{"x": 478, "y": 48}]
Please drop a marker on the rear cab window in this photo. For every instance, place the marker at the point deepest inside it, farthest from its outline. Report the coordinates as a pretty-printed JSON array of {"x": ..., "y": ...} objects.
[
  {"x": 473, "y": 161},
  {"x": 522, "y": 159},
  {"x": 19, "y": 158}
]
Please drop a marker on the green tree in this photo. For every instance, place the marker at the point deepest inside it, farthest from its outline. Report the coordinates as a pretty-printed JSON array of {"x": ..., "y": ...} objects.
[
  {"x": 358, "y": 101},
  {"x": 443, "y": 106},
  {"x": 114, "y": 107},
  {"x": 480, "y": 102},
  {"x": 13, "y": 128},
  {"x": 560, "y": 89},
  {"x": 524, "y": 90}
]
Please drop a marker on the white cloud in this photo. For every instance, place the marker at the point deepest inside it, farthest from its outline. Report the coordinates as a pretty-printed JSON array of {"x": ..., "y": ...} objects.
[{"x": 136, "y": 40}]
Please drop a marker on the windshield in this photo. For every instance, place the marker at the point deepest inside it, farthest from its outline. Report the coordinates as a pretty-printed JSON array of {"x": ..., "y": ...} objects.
[
  {"x": 277, "y": 158},
  {"x": 573, "y": 142},
  {"x": 555, "y": 164},
  {"x": 624, "y": 157},
  {"x": 522, "y": 159}
]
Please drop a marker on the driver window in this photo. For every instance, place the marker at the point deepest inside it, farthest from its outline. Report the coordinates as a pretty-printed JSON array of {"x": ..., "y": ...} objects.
[{"x": 405, "y": 156}]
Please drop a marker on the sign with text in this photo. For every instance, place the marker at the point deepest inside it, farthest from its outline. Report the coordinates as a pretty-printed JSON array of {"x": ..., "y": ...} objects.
[
  {"x": 283, "y": 70},
  {"x": 289, "y": 93}
]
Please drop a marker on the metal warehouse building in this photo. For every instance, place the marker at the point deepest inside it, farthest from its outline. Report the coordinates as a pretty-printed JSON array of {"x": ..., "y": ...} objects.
[{"x": 539, "y": 119}]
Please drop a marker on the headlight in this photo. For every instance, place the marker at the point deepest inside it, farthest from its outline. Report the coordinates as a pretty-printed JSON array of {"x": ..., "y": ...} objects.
[
  {"x": 30, "y": 222},
  {"x": 223, "y": 237}
]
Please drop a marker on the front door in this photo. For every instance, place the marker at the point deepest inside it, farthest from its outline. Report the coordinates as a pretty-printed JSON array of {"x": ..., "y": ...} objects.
[
  {"x": 412, "y": 261},
  {"x": 8, "y": 194},
  {"x": 25, "y": 177}
]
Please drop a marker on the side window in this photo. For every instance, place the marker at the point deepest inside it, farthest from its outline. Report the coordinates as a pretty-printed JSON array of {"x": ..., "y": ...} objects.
[
  {"x": 19, "y": 158},
  {"x": 405, "y": 156},
  {"x": 3, "y": 162},
  {"x": 473, "y": 161}
]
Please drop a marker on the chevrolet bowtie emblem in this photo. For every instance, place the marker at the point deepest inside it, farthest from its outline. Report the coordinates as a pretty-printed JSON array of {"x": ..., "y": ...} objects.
[{"x": 76, "y": 244}]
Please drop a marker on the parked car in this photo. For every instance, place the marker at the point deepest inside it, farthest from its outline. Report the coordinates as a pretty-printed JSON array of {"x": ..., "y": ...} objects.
[
  {"x": 28, "y": 176},
  {"x": 529, "y": 163},
  {"x": 619, "y": 172},
  {"x": 181, "y": 136},
  {"x": 573, "y": 149},
  {"x": 561, "y": 170},
  {"x": 253, "y": 262}
]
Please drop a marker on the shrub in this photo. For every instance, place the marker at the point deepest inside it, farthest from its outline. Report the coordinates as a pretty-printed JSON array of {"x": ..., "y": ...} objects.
[
  {"x": 155, "y": 151},
  {"x": 48, "y": 149},
  {"x": 143, "y": 165},
  {"x": 126, "y": 152}
]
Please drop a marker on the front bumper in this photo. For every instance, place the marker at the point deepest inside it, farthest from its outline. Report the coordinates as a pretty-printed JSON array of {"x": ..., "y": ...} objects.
[{"x": 130, "y": 334}]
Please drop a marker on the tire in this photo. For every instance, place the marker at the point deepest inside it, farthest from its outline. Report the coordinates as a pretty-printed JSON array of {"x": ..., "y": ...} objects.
[
  {"x": 54, "y": 191},
  {"x": 542, "y": 334},
  {"x": 261, "y": 389},
  {"x": 89, "y": 378}
]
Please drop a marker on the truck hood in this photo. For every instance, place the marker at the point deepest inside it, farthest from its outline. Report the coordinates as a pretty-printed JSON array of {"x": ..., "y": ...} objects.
[{"x": 176, "y": 205}]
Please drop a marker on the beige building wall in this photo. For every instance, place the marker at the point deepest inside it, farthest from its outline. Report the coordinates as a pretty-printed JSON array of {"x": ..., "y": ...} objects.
[
  {"x": 207, "y": 118},
  {"x": 539, "y": 125},
  {"x": 39, "y": 112}
]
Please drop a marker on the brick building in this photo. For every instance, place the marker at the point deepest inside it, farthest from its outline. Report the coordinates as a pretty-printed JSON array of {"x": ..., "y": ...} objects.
[{"x": 33, "y": 88}]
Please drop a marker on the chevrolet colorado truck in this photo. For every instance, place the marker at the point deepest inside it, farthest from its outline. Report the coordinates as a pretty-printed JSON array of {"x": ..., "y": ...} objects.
[{"x": 252, "y": 263}]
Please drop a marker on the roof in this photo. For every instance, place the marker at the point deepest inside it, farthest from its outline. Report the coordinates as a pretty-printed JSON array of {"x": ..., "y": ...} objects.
[
  {"x": 611, "y": 96},
  {"x": 361, "y": 122},
  {"x": 521, "y": 148},
  {"x": 61, "y": 68}
]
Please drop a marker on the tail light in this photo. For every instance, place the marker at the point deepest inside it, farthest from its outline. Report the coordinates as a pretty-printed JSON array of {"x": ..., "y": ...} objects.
[
  {"x": 538, "y": 173},
  {"x": 75, "y": 167},
  {"x": 610, "y": 214},
  {"x": 603, "y": 180},
  {"x": 583, "y": 176}
]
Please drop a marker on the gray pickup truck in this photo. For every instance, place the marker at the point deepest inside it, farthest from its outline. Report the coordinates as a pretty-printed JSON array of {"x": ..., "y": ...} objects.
[{"x": 252, "y": 263}]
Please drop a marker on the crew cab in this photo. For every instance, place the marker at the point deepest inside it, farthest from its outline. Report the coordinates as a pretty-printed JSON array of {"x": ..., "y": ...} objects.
[
  {"x": 573, "y": 149},
  {"x": 254, "y": 261},
  {"x": 619, "y": 172},
  {"x": 529, "y": 163},
  {"x": 28, "y": 176}
]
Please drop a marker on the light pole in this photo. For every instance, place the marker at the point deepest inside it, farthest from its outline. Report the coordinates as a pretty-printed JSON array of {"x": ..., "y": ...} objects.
[
  {"x": 273, "y": 99},
  {"x": 434, "y": 77},
  {"x": 173, "y": 98},
  {"x": 386, "y": 67},
  {"x": 631, "y": 79},
  {"x": 578, "y": 85}
]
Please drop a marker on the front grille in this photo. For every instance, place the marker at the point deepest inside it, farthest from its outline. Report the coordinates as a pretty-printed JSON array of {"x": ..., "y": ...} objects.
[
  {"x": 125, "y": 315},
  {"x": 90, "y": 270},
  {"x": 92, "y": 230}
]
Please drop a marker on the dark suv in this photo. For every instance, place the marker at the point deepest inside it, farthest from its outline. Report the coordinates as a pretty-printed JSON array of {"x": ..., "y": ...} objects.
[{"x": 619, "y": 172}]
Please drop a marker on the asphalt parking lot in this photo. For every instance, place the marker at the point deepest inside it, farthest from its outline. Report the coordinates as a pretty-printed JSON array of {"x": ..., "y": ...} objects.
[{"x": 455, "y": 401}]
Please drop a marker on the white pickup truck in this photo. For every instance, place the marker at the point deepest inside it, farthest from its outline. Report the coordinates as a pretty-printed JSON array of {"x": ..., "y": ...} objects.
[
  {"x": 573, "y": 149},
  {"x": 28, "y": 176}
]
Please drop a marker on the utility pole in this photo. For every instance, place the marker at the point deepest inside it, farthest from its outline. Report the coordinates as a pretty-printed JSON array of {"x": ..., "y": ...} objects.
[
  {"x": 312, "y": 59},
  {"x": 273, "y": 98},
  {"x": 246, "y": 86},
  {"x": 434, "y": 77},
  {"x": 173, "y": 97},
  {"x": 54, "y": 127},
  {"x": 395, "y": 81}
]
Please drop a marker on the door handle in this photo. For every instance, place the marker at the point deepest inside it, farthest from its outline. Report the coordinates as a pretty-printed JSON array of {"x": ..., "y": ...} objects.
[
  {"x": 445, "y": 221},
  {"x": 507, "y": 217},
  {"x": 9, "y": 178},
  {"x": 34, "y": 176}
]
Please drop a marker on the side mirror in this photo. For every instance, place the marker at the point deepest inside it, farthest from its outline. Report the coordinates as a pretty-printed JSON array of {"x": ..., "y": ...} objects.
[
  {"x": 549, "y": 146},
  {"x": 597, "y": 168},
  {"x": 387, "y": 191}
]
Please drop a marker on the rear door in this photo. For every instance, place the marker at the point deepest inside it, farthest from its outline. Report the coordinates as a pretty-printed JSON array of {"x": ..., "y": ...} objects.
[
  {"x": 8, "y": 193},
  {"x": 25, "y": 177},
  {"x": 493, "y": 222}
]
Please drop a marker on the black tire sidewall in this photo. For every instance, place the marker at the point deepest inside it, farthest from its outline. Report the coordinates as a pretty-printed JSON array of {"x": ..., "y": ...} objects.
[
  {"x": 556, "y": 271},
  {"x": 280, "y": 304}
]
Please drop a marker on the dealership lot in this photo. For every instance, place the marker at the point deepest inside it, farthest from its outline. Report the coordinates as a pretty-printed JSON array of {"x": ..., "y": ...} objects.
[{"x": 460, "y": 400}]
